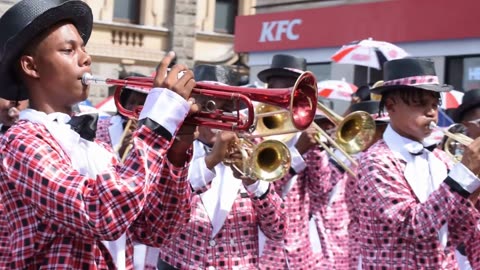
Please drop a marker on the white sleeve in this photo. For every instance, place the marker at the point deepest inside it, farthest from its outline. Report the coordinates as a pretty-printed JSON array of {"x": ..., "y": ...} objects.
[
  {"x": 258, "y": 188},
  {"x": 166, "y": 108},
  {"x": 198, "y": 173},
  {"x": 464, "y": 177},
  {"x": 298, "y": 163}
]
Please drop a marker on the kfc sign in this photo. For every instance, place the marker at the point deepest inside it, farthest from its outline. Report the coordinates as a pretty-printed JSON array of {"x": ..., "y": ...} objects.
[
  {"x": 334, "y": 26},
  {"x": 278, "y": 30}
]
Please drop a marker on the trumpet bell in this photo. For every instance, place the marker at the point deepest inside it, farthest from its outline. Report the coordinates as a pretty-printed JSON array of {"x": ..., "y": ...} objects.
[
  {"x": 355, "y": 132},
  {"x": 270, "y": 160},
  {"x": 273, "y": 123}
]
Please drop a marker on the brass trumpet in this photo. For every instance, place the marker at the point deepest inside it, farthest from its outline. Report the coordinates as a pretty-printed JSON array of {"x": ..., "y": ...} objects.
[
  {"x": 299, "y": 100},
  {"x": 273, "y": 122},
  {"x": 268, "y": 161},
  {"x": 353, "y": 134},
  {"x": 454, "y": 141}
]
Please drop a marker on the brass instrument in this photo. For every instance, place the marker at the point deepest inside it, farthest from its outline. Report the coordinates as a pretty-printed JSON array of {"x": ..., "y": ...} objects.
[
  {"x": 299, "y": 100},
  {"x": 273, "y": 122},
  {"x": 268, "y": 161},
  {"x": 454, "y": 142},
  {"x": 353, "y": 134},
  {"x": 130, "y": 146}
]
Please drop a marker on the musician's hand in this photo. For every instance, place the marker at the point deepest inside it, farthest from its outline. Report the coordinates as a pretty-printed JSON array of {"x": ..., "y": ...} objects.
[
  {"x": 245, "y": 180},
  {"x": 186, "y": 134},
  {"x": 307, "y": 140},
  {"x": 471, "y": 156},
  {"x": 128, "y": 139},
  {"x": 170, "y": 79},
  {"x": 221, "y": 148}
]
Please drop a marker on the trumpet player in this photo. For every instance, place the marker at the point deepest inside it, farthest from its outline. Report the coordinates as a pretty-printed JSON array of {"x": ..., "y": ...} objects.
[
  {"x": 334, "y": 214},
  {"x": 468, "y": 115},
  {"x": 68, "y": 202},
  {"x": 414, "y": 207},
  {"x": 228, "y": 209},
  {"x": 295, "y": 250}
]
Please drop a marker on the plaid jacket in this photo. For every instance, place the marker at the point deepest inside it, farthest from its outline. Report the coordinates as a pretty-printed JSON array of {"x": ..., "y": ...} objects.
[
  {"x": 332, "y": 217},
  {"x": 57, "y": 217},
  {"x": 235, "y": 246},
  {"x": 295, "y": 251},
  {"x": 395, "y": 230}
]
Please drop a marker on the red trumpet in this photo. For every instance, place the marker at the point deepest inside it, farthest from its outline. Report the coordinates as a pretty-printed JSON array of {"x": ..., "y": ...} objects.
[{"x": 300, "y": 100}]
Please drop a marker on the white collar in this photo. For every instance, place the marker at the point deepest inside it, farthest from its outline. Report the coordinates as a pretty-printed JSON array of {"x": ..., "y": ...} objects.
[{"x": 401, "y": 146}]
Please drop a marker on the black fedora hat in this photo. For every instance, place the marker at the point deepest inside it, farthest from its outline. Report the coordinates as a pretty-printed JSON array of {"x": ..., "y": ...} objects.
[
  {"x": 26, "y": 20},
  {"x": 414, "y": 73},
  {"x": 470, "y": 100},
  {"x": 372, "y": 108},
  {"x": 216, "y": 73},
  {"x": 284, "y": 65}
]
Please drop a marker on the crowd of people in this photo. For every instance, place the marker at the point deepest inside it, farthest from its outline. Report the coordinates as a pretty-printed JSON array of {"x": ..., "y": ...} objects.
[{"x": 160, "y": 191}]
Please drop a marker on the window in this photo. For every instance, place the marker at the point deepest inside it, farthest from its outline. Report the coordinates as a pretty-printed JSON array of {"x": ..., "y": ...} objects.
[
  {"x": 126, "y": 11},
  {"x": 463, "y": 72},
  {"x": 225, "y": 12},
  {"x": 322, "y": 71}
]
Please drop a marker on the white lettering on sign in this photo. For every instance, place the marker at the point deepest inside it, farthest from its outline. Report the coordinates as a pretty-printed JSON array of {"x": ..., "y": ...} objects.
[
  {"x": 276, "y": 30},
  {"x": 474, "y": 74}
]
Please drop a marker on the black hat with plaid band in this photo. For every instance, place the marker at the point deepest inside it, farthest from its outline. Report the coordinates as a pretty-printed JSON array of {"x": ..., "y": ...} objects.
[
  {"x": 411, "y": 73},
  {"x": 23, "y": 22}
]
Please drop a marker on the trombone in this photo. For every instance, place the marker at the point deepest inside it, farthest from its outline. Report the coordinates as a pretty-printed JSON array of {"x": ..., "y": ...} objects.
[
  {"x": 353, "y": 134},
  {"x": 268, "y": 161}
]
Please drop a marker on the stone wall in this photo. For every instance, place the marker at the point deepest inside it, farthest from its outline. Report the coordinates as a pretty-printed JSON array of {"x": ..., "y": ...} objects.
[{"x": 183, "y": 31}]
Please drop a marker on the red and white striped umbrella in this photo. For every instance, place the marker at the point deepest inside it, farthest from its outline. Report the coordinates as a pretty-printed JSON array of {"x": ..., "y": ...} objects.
[
  {"x": 452, "y": 99},
  {"x": 336, "y": 89},
  {"x": 369, "y": 53}
]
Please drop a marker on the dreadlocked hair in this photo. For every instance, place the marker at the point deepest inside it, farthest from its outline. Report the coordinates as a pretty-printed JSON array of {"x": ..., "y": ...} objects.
[{"x": 410, "y": 96}]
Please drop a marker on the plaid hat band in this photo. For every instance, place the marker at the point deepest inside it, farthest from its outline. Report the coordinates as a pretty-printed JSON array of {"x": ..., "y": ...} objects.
[{"x": 413, "y": 81}]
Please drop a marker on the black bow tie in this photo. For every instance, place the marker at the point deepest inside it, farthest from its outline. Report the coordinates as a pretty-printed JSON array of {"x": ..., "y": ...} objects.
[
  {"x": 85, "y": 125},
  {"x": 429, "y": 148}
]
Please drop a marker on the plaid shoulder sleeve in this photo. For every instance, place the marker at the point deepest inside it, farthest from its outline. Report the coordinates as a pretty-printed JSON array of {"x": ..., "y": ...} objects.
[
  {"x": 321, "y": 175},
  {"x": 271, "y": 214}
]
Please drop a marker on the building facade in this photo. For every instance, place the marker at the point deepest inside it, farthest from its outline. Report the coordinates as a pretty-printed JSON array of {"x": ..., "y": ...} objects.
[
  {"x": 443, "y": 30},
  {"x": 134, "y": 35}
]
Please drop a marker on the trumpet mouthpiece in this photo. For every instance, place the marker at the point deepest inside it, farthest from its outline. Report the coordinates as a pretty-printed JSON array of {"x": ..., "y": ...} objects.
[
  {"x": 86, "y": 78},
  {"x": 432, "y": 125}
]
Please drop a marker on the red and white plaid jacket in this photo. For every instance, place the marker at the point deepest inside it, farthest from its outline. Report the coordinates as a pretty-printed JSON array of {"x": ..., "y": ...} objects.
[
  {"x": 331, "y": 215},
  {"x": 235, "y": 246},
  {"x": 398, "y": 232},
  {"x": 295, "y": 251},
  {"x": 4, "y": 239},
  {"x": 57, "y": 218}
]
